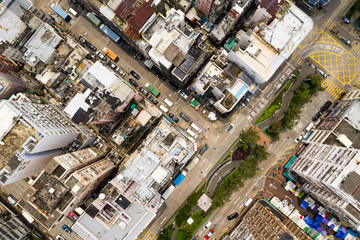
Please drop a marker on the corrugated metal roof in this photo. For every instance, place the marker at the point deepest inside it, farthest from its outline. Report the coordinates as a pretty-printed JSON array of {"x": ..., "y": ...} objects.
[
  {"x": 272, "y": 5},
  {"x": 141, "y": 15},
  {"x": 123, "y": 7}
]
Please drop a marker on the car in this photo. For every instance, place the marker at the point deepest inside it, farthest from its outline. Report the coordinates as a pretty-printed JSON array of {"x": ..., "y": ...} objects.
[
  {"x": 210, "y": 233},
  {"x": 81, "y": 39},
  {"x": 111, "y": 64},
  {"x": 100, "y": 55},
  {"x": 245, "y": 102},
  {"x": 144, "y": 91},
  {"x": 92, "y": 47},
  {"x": 172, "y": 86},
  {"x": 321, "y": 72},
  {"x": 153, "y": 100},
  {"x": 73, "y": 215},
  {"x": 298, "y": 138},
  {"x": 132, "y": 81},
  {"x": 173, "y": 117},
  {"x": 203, "y": 150},
  {"x": 230, "y": 127},
  {"x": 316, "y": 116},
  {"x": 121, "y": 72},
  {"x": 183, "y": 116},
  {"x": 66, "y": 229},
  {"x": 135, "y": 74},
  {"x": 59, "y": 237},
  {"x": 183, "y": 95},
  {"x": 232, "y": 216},
  {"x": 346, "y": 20}
]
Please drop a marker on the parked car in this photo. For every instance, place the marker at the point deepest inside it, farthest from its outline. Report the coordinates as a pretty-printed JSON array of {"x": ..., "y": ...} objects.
[
  {"x": 73, "y": 215},
  {"x": 100, "y": 55},
  {"x": 66, "y": 229},
  {"x": 346, "y": 20},
  {"x": 316, "y": 117},
  {"x": 173, "y": 117},
  {"x": 111, "y": 64},
  {"x": 172, "y": 86},
  {"x": 121, "y": 72},
  {"x": 183, "y": 95},
  {"x": 133, "y": 82},
  {"x": 230, "y": 127},
  {"x": 153, "y": 100},
  {"x": 82, "y": 40},
  {"x": 144, "y": 91},
  {"x": 203, "y": 150},
  {"x": 183, "y": 116},
  {"x": 232, "y": 216},
  {"x": 135, "y": 74},
  {"x": 298, "y": 138},
  {"x": 59, "y": 237},
  {"x": 245, "y": 102},
  {"x": 210, "y": 233},
  {"x": 92, "y": 47}
]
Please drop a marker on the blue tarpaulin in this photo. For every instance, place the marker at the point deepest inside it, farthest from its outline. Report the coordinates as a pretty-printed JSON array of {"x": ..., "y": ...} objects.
[
  {"x": 318, "y": 218},
  {"x": 304, "y": 205},
  {"x": 353, "y": 232},
  {"x": 341, "y": 235}
]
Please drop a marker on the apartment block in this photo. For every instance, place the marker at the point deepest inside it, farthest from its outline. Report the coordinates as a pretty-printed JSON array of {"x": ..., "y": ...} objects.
[
  {"x": 64, "y": 183},
  {"x": 31, "y": 134}
]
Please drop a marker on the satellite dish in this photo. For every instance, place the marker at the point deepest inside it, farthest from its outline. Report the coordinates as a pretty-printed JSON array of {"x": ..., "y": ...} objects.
[
  {"x": 102, "y": 196},
  {"x": 120, "y": 177}
]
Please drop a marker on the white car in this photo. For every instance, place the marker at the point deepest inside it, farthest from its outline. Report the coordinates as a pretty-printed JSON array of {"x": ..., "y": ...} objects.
[
  {"x": 100, "y": 55},
  {"x": 299, "y": 137},
  {"x": 122, "y": 73},
  {"x": 59, "y": 237},
  {"x": 183, "y": 95}
]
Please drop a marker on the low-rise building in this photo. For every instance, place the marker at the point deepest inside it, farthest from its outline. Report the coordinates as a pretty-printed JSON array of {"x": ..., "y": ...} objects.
[{"x": 133, "y": 198}]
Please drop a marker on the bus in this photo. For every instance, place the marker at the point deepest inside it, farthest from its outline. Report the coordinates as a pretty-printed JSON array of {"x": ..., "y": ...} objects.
[
  {"x": 153, "y": 90},
  {"x": 111, "y": 54},
  {"x": 93, "y": 18},
  {"x": 110, "y": 33}
]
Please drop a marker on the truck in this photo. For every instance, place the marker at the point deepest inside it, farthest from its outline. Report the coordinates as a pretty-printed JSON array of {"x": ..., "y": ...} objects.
[
  {"x": 61, "y": 12},
  {"x": 93, "y": 18},
  {"x": 179, "y": 178},
  {"x": 192, "y": 164},
  {"x": 152, "y": 89},
  {"x": 27, "y": 216},
  {"x": 110, "y": 33},
  {"x": 168, "y": 191},
  {"x": 247, "y": 202},
  {"x": 111, "y": 54}
]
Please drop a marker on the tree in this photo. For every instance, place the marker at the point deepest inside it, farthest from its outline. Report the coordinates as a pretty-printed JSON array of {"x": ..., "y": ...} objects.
[
  {"x": 261, "y": 153},
  {"x": 249, "y": 137}
]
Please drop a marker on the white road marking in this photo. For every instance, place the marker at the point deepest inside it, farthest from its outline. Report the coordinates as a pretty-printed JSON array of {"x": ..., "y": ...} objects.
[{"x": 163, "y": 220}]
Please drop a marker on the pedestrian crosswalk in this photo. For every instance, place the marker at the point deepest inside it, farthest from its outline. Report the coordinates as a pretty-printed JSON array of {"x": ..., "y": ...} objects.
[
  {"x": 331, "y": 87},
  {"x": 357, "y": 48},
  {"x": 329, "y": 24},
  {"x": 296, "y": 57},
  {"x": 147, "y": 234}
]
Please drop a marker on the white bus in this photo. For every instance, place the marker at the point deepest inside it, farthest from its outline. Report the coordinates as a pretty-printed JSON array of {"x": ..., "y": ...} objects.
[
  {"x": 195, "y": 127},
  {"x": 191, "y": 133},
  {"x": 164, "y": 109},
  {"x": 167, "y": 101}
]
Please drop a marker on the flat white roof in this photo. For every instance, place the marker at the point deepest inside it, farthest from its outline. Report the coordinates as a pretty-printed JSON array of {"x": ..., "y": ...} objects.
[
  {"x": 98, "y": 72},
  {"x": 288, "y": 32},
  {"x": 42, "y": 44},
  {"x": 7, "y": 119},
  {"x": 78, "y": 101},
  {"x": 11, "y": 25}
]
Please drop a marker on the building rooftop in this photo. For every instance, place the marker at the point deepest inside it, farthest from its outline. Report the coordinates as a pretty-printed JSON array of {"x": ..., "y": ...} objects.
[
  {"x": 285, "y": 34},
  {"x": 351, "y": 185},
  {"x": 41, "y": 45},
  {"x": 271, "y": 6},
  {"x": 11, "y": 24},
  {"x": 352, "y": 116},
  {"x": 141, "y": 15}
]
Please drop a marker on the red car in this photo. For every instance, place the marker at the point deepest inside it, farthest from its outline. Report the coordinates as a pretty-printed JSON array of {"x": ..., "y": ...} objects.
[{"x": 210, "y": 233}]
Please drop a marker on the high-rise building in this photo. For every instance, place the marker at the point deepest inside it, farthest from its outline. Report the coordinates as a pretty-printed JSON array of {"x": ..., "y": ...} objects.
[
  {"x": 328, "y": 163},
  {"x": 31, "y": 134},
  {"x": 12, "y": 227},
  {"x": 64, "y": 183},
  {"x": 204, "y": 6}
]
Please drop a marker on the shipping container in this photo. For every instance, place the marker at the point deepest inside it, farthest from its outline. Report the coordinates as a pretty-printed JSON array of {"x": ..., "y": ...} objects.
[{"x": 109, "y": 32}]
